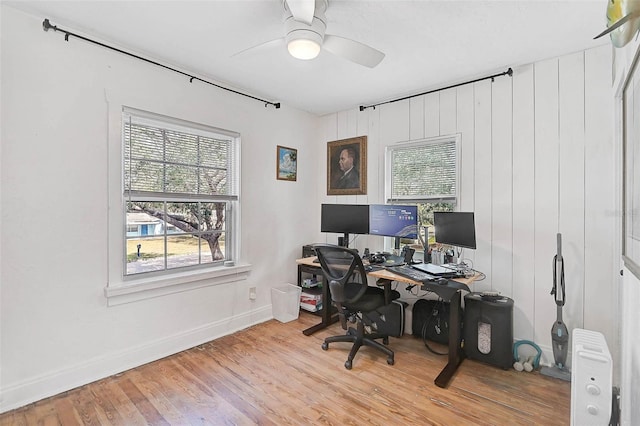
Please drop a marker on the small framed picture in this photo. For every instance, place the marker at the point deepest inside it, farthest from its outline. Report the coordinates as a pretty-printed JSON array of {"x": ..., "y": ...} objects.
[
  {"x": 347, "y": 166},
  {"x": 286, "y": 163}
]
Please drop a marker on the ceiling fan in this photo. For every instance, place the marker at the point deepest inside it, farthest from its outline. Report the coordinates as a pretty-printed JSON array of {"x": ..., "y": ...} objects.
[
  {"x": 619, "y": 12},
  {"x": 305, "y": 24}
]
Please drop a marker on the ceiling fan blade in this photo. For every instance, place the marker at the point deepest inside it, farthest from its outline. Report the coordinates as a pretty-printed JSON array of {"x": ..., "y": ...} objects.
[
  {"x": 302, "y": 10},
  {"x": 261, "y": 47},
  {"x": 615, "y": 26},
  {"x": 352, "y": 50}
]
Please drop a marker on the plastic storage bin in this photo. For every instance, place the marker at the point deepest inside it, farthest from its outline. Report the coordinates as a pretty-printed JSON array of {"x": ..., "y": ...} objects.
[{"x": 285, "y": 302}]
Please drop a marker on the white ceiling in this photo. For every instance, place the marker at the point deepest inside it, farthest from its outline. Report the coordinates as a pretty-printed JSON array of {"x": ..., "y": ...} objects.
[{"x": 428, "y": 44}]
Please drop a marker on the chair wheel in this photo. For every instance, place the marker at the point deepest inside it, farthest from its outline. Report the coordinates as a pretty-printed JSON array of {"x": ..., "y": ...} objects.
[
  {"x": 325, "y": 346},
  {"x": 390, "y": 361},
  {"x": 348, "y": 364}
]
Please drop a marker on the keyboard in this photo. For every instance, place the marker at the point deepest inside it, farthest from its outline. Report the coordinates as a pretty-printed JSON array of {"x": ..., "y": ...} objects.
[{"x": 408, "y": 272}]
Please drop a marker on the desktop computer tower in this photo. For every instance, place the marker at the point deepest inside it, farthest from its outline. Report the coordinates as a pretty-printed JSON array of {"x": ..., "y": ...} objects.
[{"x": 488, "y": 329}]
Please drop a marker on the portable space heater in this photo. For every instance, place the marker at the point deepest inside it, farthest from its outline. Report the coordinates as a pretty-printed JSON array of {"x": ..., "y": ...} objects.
[{"x": 591, "y": 379}]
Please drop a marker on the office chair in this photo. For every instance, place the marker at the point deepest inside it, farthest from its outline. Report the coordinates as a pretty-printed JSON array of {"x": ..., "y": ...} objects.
[{"x": 347, "y": 279}]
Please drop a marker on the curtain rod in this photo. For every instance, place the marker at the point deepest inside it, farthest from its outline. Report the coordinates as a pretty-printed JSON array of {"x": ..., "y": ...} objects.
[
  {"x": 508, "y": 72},
  {"x": 46, "y": 25}
]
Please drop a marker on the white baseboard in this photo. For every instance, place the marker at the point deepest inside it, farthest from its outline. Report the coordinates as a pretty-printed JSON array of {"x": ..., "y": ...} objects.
[{"x": 37, "y": 388}]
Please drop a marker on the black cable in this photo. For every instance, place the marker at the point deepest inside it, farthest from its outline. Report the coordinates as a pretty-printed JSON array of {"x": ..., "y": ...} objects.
[
  {"x": 46, "y": 25},
  {"x": 425, "y": 327}
]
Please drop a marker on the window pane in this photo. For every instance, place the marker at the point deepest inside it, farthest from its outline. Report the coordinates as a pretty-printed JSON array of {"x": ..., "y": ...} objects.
[
  {"x": 425, "y": 212},
  {"x": 182, "y": 250},
  {"x": 213, "y": 182},
  {"x": 214, "y": 153},
  {"x": 145, "y": 254},
  {"x": 181, "y": 148},
  {"x": 145, "y": 237},
  {"x": 183, "y": 217},
  {"x": 212, "y": 216},
  {"x": 147, "y": 218},
  {"x": 424, "y": 171},
  {"x": 143, "y": 175},
  {"x": 181, "y": 179},
  {"x": 143, "y": 142}
]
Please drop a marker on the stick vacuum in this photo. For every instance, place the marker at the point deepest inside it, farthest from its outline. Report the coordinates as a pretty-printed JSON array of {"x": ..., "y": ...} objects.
[{"x": 559, "y": 332}]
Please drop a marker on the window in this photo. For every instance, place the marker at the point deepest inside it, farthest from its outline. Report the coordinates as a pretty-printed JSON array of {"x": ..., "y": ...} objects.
[
  {"x": 180, "y": 192},
  {"x": 424, "y": 172}
]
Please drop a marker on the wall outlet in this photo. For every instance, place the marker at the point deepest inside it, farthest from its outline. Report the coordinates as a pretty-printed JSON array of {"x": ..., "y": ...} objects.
[{"x": 252, "y": 293}]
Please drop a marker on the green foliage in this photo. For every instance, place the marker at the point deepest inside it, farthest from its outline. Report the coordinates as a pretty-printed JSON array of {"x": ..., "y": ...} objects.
[{"x": 425, "y": 212}]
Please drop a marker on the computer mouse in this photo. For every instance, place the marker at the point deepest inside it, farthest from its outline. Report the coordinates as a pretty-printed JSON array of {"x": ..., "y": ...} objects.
[{"x": 442, "y": 281}]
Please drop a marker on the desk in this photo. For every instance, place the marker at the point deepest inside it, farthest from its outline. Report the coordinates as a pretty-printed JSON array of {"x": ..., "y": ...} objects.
[{"x": 450, "y": 292}]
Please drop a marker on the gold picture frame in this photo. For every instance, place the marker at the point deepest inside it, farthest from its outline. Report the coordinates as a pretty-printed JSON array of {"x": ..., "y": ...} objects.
[
  {"x": 347, "y": 166},
  {"x": 286, "y": 163}
]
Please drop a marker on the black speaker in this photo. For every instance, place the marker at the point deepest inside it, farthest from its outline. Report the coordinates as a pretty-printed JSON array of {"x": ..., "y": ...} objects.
[{"x": 488, "y": 329}]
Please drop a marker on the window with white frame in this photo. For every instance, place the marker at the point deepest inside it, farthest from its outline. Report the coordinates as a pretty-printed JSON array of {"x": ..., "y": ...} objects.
[
  {"x": 180, "y": 183},
  {"x": 424, "y": 173}
]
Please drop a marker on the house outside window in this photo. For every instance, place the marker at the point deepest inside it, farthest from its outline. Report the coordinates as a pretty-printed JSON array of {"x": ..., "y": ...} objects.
[
  {"x": 424, "y": 173},
  {"x": 180, "y": 190}
]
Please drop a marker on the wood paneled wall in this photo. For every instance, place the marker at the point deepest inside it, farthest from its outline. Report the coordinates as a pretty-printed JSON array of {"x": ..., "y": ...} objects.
[{"x": 537, "y": 159}]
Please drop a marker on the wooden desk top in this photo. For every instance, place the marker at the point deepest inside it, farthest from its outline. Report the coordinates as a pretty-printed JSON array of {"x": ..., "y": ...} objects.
[{"x": 384, "y": 273}]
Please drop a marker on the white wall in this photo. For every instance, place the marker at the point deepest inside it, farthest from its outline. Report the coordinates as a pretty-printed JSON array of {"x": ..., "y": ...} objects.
[
  {"x": 56, "y": 331},
  {"x": 537, "y": 159}
]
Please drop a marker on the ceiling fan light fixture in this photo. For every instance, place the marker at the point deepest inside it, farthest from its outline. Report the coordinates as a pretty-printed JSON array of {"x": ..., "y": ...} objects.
[
  {"x": 304, "y": 41},
  {"x": 303, "y": 48}
]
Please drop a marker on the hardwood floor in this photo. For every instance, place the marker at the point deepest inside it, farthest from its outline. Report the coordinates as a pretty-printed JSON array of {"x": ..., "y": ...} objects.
[{"x": 271, "y": 374}]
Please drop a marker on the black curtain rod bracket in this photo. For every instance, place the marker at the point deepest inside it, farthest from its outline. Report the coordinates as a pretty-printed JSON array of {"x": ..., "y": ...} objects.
[
  {"x": 508, "y": 72},
  {"x": 46, "y": 26}
]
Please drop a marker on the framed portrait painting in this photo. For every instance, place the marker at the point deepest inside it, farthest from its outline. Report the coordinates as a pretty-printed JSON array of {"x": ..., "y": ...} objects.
[
  {"x": 347, "y": 166},
  {"x": 286, "y": 163}
]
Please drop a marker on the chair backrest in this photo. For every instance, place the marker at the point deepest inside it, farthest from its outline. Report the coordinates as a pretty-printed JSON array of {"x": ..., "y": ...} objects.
[{"x": 341, "y": 265}]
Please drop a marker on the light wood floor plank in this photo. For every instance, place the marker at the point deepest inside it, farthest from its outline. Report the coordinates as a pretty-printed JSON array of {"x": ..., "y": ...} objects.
[{"x": 271, "y": 374}]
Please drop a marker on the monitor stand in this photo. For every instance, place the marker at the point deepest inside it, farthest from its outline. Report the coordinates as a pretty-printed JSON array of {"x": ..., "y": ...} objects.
[
  {"x": 344, "y": 240},
  {"x": 396, "y": 243}
]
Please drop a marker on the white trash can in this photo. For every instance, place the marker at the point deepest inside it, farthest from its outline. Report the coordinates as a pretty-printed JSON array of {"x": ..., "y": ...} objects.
[{"x": 285, "y": 302}]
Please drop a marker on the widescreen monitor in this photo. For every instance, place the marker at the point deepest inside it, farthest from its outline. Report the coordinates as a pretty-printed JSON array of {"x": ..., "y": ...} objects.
[
  {"x": 345, "y": 219},
  {"x": 392, "y": 220},
  {"x": 455, "y": 229}
]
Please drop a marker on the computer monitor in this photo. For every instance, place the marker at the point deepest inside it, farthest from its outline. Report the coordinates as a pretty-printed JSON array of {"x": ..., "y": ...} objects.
[
  {"x": 345, "y": 219},
  {"x": 455, "y": 229},
  {"x": 391, "y": 220}
]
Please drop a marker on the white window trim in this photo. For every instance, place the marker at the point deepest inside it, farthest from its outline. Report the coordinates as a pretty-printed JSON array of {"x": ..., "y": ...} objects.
[
  {"x": 401, "y": 145},
  {"x": 122, "y": 289},
  {"x": 149, "y": 287}
]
